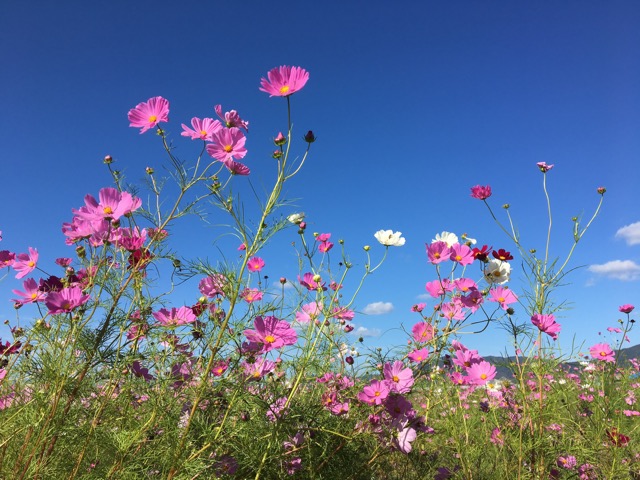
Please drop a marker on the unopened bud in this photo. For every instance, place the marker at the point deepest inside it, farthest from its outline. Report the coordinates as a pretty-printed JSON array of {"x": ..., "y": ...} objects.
[
  {"x": 317, "y": 278},
  {"x": 349, "y": 360},
  {"x": 283, "y": 280},
  {"x": 601, "y": 190},
  {"x": 108, "y": 159},
  {"x": 366, "y": 248},
  {"x": 80, "y": 251},
  {"x": 506, "y": 206},
  {"x": 149, "y": 170},
  {"x": 280, "y": 140},
  {"x": 277, "y": 154},
  {"x": 309, "y": 137}
]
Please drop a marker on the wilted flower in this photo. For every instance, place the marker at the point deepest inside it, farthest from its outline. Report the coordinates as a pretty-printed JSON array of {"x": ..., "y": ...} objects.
[
  {"x": 389, "y": 239},
  {"x": 544, "y": 167}
]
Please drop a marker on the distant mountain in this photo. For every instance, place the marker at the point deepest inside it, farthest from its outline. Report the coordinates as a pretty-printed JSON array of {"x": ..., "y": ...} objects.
[{"x": 504, "y": 371}]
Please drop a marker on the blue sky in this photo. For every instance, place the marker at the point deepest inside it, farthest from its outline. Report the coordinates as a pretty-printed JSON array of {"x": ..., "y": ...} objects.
[{"x": 412, "y": 103}]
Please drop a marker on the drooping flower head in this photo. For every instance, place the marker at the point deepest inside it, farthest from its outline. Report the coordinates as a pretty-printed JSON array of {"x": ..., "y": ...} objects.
[
  {"x": 284, "y": 81},
  {"x": 544, "y": 168},
  {"x": 546, "y": 324},
  {"x": 231, "y": 118},
  {"x": 148, "y": 114}
]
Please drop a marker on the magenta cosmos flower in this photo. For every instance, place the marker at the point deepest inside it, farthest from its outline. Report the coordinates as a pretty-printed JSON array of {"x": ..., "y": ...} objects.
[
  {"x": 374, "y": 393},
  {"x": 544, "y": 168},
  {"x": 400, "y": 379},
  {"x": 272, "y": 333},
  {"x": 255, "y": 264},
  {"x": 202, "y": 129},
  {"x": 503, "y": 295},
  {"x": 284, "y": 81},
  {"x": 112, "y": 204},
  {"x": 231, "y": 119},
  {"x": 626, "y": 308},
  {"x": 228, "y": 143},
  {"x": 480, "y": 373},
  {"x": 65, "y": 300},
  {"x": 25, "y": 263},
  {"x": 546, "y": 324},
  {"x": 32, "y": 292},
  {"x": 148, "y": 114},
  {"x": 602, "y": 351},
  {"x": 422, "y": 332},
  {"x": 480, "y": 192}
]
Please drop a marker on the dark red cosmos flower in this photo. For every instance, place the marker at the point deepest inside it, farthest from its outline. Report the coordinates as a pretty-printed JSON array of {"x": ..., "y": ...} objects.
[
  {"x": 502, "y": 254},
  {"x": 481, "y": 253},
  {"x": 617, "y": 438}
]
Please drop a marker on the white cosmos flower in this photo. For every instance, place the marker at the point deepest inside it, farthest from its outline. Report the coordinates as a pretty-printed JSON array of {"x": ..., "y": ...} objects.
[
  {"x": 389, "y": 239},
  {"x": 447, "y": 237},
  {"x": 497, "y": 271},
  {"x": 296, "y": 218},
  {"x": 470, "y": 240}
]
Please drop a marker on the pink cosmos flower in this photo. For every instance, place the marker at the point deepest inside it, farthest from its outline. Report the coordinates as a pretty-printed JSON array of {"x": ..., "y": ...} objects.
[
  {"x": 452, "y": 310},
  {"x": 113, "y": 204},
  {"x": 202, "y": 129},
  {"x": 546, "y": 324},
  {"x": 503, "y": 295},
  {"x": 212, "y": 285},
  {"x": 496, "y": 437},
  {"x": 626, "y": 308},
  {"x": 465, "y": 285},
  {"x": 141, "y": 372},
  {"x": 400, "y": 379},
  {"x": 422, "y": 332},
  {"x": 271, "y": 333},
  {"x": 24, "y": 263},
  {"x": 130, "y": 239},
  {"x": 481, "y": 373},
  {"x": 418, "y": 307},
  {"x": 465, "y": 358},
  {"x": 544, "y": 167},
  {"x": 31, "y": 294},
  {"x": 284, "y": 81},
  {"x": 65, "y": 300},
  {"x": 237, "y": 168},
  {"x": 473, "y": 300},
  {"x": 231, "y": 118},
  {"x": 7, "y": 258},
  {"x": 228, "y": 144},
  {"x": 148, "y": 114},
  {"x": 602, "y": 351},
  {"x": 309, "y": 312},
  {"x": 405, "y": 436},
  {"x": 419, "y": 355},
  {"x": 175, "y": 316},
  {"x": 259, "y": 368},
  {"x": 438, "y": 288},
  {"x": 462, "y": 254},
  {"x": 343, "y": 313},
  {"x": 255, "y": 264},
  {"x": 311, "y": 281},
  {"x": 251, "y": 295},
  {"x": 567, "y": 462},
  {"x": 374, "y": 393},
  {"x": 438, "y": 252},
  {"x": 480, "y": 192}
]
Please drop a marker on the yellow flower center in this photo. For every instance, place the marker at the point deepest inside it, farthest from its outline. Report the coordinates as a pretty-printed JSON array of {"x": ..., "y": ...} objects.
[
  {"x": 153, "y": 119},
  {"x": 284, "y": 89},
  {"x": 107, "y": 210},
  {"x": 269, "y": 339},
  {"x": 33, "y": 296},
  {"x": 483, "y": 376},
  {"x": 65, "y": 305},
  {"x": 458, "y": 258},
  {"x": 396, "y": 379},
  {"x": 377, "y": 394},
  {"x": 203, "y": 133},
  {"x": 228, "y": 148},
  {"x": 436, "y": 255},
  {"x": 501, "y": 299},
  {"x": 603, "y": 354},
  {"x": 31, "y": 263}
]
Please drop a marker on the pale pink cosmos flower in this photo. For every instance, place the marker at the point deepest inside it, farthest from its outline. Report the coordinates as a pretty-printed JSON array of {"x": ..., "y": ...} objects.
[
  {"x": 480, "y": 373},
  {"x": 602, "y": 351},
  {"x": 437, "y": 288},
  {"x": 343, "y": 313},
  {"x": 284, "y": 81},
  {"x": 148, "y": 114},
  {"x": 31, "y": 294},
  {"x": 251, "y": 295},
  {"x": 25, "y": 263},
  {"x": 399, "y": 378},
  {"x": 212, "y": 285},
  {"x": 309, "y": 312},
  {"x": 544, "y": 168},
  {"x": 231, "y": 118},
  {"x": 503, "y": 295},
  {"x": 255, "y": 264},
  {"x": 202, "y": 129},
  {"x": 112, "y": 205},
  {"x": 465, "y": 358},
  {"x": 546, "y": 324},
  {"x": 228, "y": 144},
  {"x": 374, "y": 393},
  {"x": 271, "y": 333},
  {"x": 453, "y": 310},
  {"x": 406, "y": 435},
  {"x": 465, "y": 285},
  {"x": 174, "y": 317},
  {"x": 65, "y": 300},
  {"x": 626, "y": 308},
  {"x": 480, "y": 192},
  {"x": 438, "y": 252},
  {"x": 422, "y": 332}
]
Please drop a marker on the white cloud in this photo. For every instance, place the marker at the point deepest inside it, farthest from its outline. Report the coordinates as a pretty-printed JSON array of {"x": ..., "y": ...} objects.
[
  {"x": 625, "y": 270},
  {"x": 378, "y": 308},
  {"x": 630, "y": 233},
  {"x": 366, "y": 332},
  {"x": 424, "y": 296}
]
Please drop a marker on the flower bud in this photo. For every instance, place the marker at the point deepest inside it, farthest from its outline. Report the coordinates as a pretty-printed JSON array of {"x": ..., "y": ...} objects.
[
  {"x": 309, "y": 137},
  {"x": 366, "y": 248},
  {"x": 80, "y": 251},
  {"x": 506, "y": 206},
  {"x": 601, "y": 190},
  {"x": 277, "y": 154},
  {"x": 280, "y": 140},
  {"x": 349, "y": 360},
  {"x": 348, "y": 328},
  {"x": 149, "y": 170},
  {"x": 108, "y": 159},
  {"x": 283, "y": 280},
  {"x": 317, "y": 278},
  {"x": 302, "y": 225}
]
